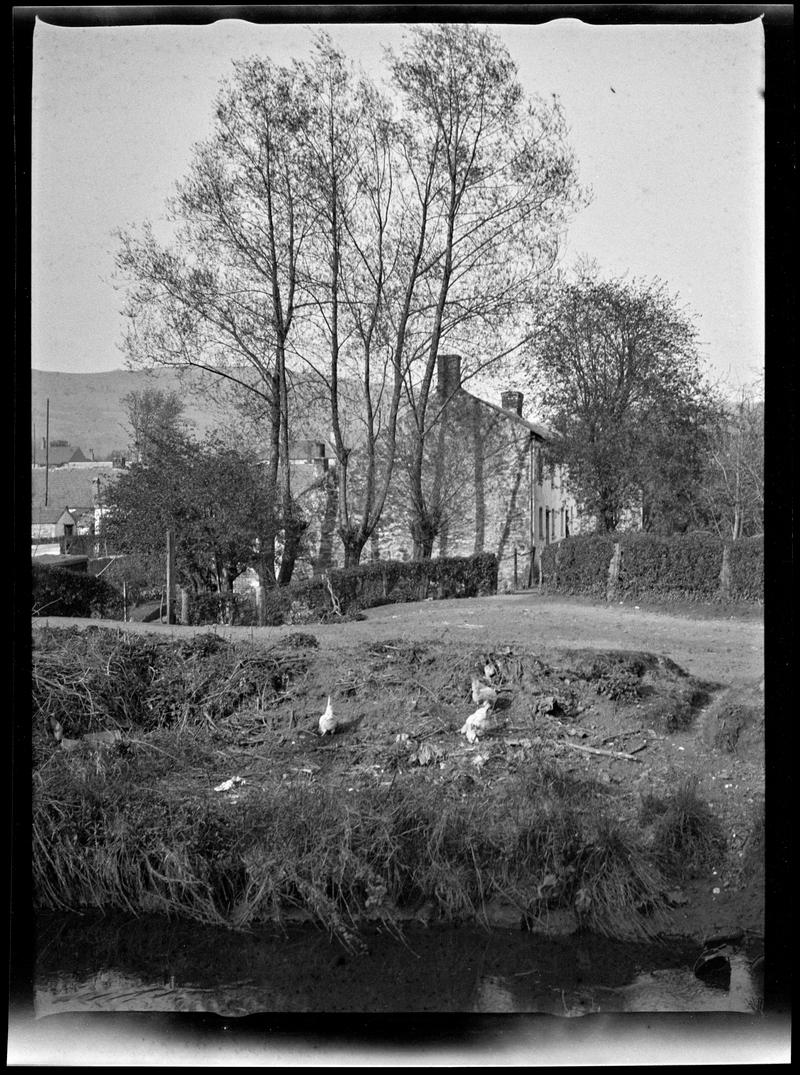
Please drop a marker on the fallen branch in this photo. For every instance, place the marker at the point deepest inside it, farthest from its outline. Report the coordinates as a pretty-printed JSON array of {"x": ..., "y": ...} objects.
[{"x": 605, "y": 753}]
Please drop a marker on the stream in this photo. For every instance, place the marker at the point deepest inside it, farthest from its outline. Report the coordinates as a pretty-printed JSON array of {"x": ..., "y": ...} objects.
[{"x": 93, "y": 963}]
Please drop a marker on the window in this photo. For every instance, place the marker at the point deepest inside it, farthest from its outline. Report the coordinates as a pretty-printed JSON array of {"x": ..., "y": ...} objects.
[
  {"x": 541, "y": 523},
  {"x": 69, "y": 529},
  {"x": 547, "y": 515}
]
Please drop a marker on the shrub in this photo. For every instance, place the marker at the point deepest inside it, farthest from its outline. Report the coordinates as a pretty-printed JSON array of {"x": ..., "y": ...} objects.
[
  {"x": 686, "y": 565},
  {"x": 746, "y": 560},
  {"x": 687, "y": 837},
  {"x": 578, "y": 564},
  {"x": 382, "y": 582},
  {"x": 59, "y": 592},
  {"x": 238, "y": 609},
  {"x": 678, "y": 566}
]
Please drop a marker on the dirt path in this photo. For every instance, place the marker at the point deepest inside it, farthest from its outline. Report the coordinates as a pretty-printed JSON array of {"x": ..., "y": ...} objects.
[{"x": 729, "y": 651}]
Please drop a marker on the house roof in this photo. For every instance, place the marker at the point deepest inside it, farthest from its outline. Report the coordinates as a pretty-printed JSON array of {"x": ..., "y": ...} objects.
[
  {"x": 49, "y": 514},
  {"x": 73, "y": 487},
  {"x": 542, "y": 432},
  {"x": 59, "y": 454}
]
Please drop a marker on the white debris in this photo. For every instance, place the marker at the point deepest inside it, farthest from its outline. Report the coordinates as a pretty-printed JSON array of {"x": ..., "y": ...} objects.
[{"x": 228, "y": 785}]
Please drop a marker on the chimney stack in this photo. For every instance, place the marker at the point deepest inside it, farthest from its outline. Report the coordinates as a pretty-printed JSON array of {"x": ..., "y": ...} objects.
[
  {"x": 449, "y": 374},
  {"x": 512, "y": 401}
]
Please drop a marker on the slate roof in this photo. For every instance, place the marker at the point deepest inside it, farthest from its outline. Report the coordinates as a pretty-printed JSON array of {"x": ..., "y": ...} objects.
[
  {"x": 50, "y": 514},
  {"x": 73, "y": 487},
  {"x": 59, "y": 454}
]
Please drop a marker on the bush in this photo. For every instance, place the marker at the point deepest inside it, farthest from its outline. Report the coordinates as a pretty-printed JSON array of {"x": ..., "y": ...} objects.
[
  {"x": 59, "y": 592},
  {"x": 382, "y": 582},
  {"x": 746, "y": 560},
  {"x": 685, "y": 565},
  {"x": 236, "y": 609},
  {"x": 679, "y": 566},
  {"x": 578, "y": 564}
]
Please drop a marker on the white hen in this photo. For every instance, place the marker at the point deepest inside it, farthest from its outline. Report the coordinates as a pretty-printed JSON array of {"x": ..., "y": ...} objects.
[
  {"x": 481, "y": 692},
  {"x": 476, "y": 722},
  {"x": 327, "y": 722}
]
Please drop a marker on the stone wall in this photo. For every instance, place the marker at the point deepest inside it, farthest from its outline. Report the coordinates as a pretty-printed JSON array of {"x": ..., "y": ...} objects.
[{"x": 484, "y": 467}]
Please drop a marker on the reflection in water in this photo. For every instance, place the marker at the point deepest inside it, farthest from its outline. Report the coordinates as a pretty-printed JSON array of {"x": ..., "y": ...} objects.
[
  {"x": 150, "y": 965},
  {"x": 652, "y": 991}
]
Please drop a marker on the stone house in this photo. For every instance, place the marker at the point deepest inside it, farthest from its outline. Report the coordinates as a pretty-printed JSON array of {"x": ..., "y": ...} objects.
[{"x": 485, "y": 471}]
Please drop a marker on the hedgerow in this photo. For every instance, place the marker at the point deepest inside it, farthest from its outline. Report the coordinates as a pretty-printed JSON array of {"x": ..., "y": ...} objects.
[
  {"x": 680, "y": 566},
  {"x": 746, "y": 560},
  {"x": 343, "y": 592},
  {"x": 59, "y": 592}
]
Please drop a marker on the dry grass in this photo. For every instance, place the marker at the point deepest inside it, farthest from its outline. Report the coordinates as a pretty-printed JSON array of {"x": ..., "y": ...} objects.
[{"x": 360, "y": 828}]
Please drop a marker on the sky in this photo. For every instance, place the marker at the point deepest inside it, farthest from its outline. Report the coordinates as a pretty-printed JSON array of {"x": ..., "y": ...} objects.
[{"x": 666, "y": 122}]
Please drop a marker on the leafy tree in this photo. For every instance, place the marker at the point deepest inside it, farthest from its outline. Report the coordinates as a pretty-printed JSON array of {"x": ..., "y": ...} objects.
[
  {"x": 730, "y": 500},
  {"x": 212, "y": 497},
  {"x": 222, "y": 296},
  {"x": 620, "y": 380},
  {"x": 322, "y": 218},
  {"x": 153, "y": 416}
]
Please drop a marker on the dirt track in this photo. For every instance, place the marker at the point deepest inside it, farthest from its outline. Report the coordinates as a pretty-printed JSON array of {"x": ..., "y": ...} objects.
[{"x": 726, "y": 651}]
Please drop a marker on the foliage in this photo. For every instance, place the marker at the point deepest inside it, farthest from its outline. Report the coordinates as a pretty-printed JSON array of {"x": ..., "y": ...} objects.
[
  {"x": 154, "y": 417},
  {"x": 730, "y": 500},
  {"x": 322, "y": 218},
  {"x": 686, "y": 837},
  {"x": 57, "y": 591},
  {"x": 578, "y": 564},
  {"x": 214, "y": 499},
  {"x": 746, "y": 559},
  {"x": 683, "y": 565},
  {"x": 502, "y": 182},
  {"x": 229, "y": 608},
  {"x": 385, "y": 582},
  {"x": 624, "y": 389}
]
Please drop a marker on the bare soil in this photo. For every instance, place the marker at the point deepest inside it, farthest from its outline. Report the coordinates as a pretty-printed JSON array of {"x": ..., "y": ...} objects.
[{"x": 650, "y": 690}]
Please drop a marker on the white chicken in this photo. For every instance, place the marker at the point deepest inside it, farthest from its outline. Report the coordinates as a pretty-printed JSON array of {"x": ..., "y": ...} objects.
[
  {"x": 327, "y": 722},
  {"x": 476, "y": 722},
  {"x": 481, "y": 692},
  {"x": 489, "y": 670}
]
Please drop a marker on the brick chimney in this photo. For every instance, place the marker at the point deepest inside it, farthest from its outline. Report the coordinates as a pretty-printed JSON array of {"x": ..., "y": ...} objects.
[
  {"x": 449, "y": 374},
  {"x": 512, "y": 401}
]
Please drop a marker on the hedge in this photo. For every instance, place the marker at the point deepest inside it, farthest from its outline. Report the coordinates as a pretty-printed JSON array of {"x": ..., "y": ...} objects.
[
  {"x": 682, "y": 565},
  {"x": 57, "y": 591},
  {"x": 685, "y": 565},
  {"x": 578, "y": 564},
  {"x": 746, "y": 561},
  {"x": 381, "y": 582}
]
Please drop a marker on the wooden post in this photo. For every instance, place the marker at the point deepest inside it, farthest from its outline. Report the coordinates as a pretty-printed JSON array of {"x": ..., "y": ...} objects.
[
  {"x": 184, "y": 606},
  {"x": 516, "y": 584},
  {"x": 170, "y": 578},
  {"x": 47, "y": 455},
  {"x": 124, "y": 601}
]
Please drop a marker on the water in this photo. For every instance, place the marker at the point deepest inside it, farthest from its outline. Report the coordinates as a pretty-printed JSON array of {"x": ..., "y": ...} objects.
[{"x": 117, "y": 964}]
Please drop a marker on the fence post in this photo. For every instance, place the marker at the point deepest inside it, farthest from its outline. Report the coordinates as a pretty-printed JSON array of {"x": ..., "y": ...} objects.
[
  {"x": 613, "y": 573},
  {"x": 516, "y": 584},
  {"x": 124, "y": 601},
  {"x": 184, "y": 605},
  {"x": 170, "y": 578}
]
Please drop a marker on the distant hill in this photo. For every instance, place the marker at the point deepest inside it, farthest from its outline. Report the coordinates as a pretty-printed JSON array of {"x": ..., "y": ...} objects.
[{"x": 86, "y": 408}]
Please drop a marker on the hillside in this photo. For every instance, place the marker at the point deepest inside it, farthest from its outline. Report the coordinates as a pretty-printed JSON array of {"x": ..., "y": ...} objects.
[{"x": 86, "y": 408}]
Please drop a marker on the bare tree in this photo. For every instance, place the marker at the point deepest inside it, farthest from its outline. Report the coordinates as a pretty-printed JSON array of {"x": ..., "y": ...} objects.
[{"x": 502, "y": 183}]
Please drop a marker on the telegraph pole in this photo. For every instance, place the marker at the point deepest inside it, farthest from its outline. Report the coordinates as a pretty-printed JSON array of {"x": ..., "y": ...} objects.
[{"x": 47, "y": 455}]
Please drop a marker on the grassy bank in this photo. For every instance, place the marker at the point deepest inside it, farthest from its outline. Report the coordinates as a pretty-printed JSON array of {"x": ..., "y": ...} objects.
[{"x": 394, "y": 817}]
